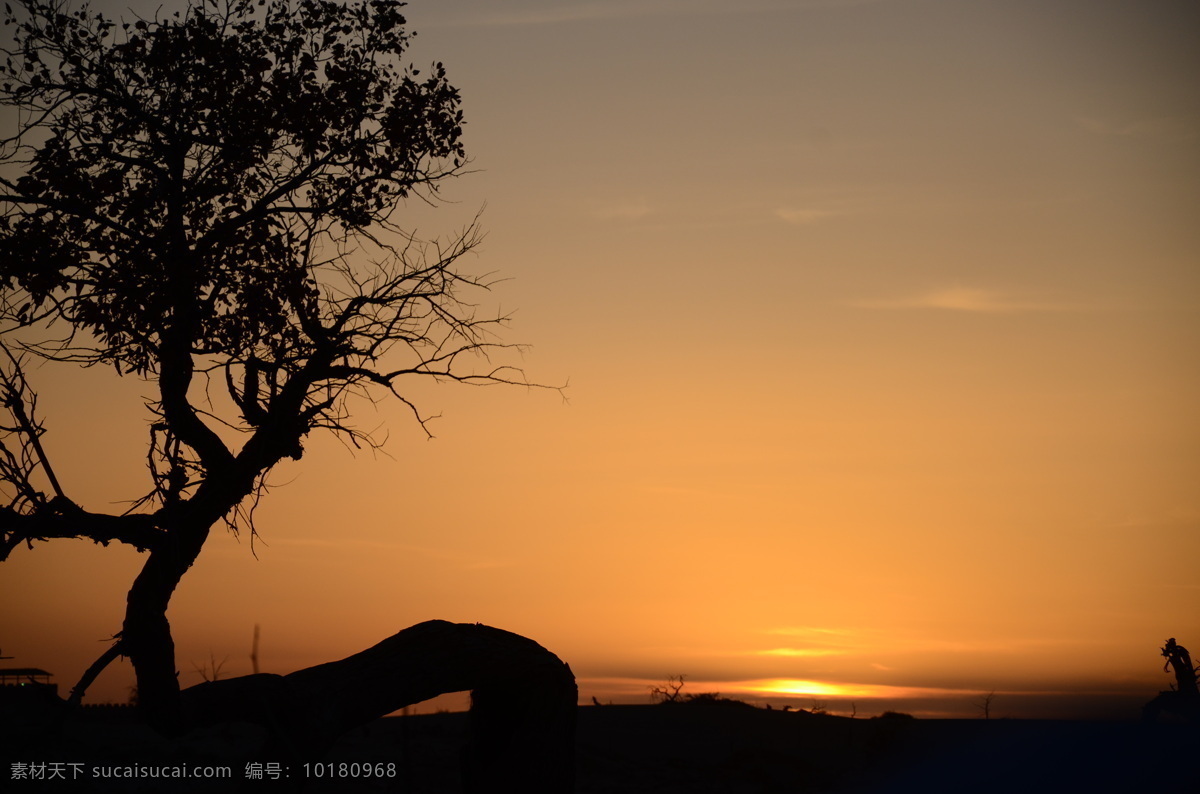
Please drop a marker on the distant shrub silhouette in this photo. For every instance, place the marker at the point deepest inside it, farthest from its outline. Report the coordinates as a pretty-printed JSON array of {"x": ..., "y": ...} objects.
[
  {"x": 672, "y": 692},
  {"x": 894, "y": 715}
]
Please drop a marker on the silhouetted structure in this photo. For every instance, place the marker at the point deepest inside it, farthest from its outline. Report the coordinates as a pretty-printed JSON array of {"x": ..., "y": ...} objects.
[
  {"x": 25, "y": 676},
  {"x": 24, "y": 688}
]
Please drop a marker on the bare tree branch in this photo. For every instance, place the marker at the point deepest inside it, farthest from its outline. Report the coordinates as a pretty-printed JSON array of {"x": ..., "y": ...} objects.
[{"x": 59, "y": 519}]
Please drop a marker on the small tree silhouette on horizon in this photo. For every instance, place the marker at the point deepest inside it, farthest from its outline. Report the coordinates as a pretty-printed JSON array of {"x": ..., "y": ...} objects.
[
  {"x": 1183, "y": 699},
  {"x": 1180, "y": 662},
  {"x": 205, "y": 202},
  {"x": 984, "y": 704},
  {"x": 671, "y": 691}
]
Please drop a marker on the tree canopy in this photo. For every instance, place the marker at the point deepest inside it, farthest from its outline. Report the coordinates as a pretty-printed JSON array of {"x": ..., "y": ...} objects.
[
  {"x": 207, "y": 201},
  {"x": 213, "y": 192}
]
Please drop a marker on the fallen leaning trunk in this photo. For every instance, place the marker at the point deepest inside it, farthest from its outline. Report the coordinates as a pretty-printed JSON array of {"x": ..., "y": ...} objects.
[{"x": 522, "y": 706}]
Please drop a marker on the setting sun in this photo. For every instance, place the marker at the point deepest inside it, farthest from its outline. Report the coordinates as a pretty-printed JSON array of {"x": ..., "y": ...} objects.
[{"x": 794, "y": 687}]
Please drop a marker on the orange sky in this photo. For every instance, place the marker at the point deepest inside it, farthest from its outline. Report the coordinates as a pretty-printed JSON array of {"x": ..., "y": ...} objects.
[{"x": 880, "y": 324}]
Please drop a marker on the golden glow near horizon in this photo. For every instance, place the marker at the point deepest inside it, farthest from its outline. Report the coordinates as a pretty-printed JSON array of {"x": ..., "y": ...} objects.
[
  {"x": 798, "y": 652},
  {"x": 880, "y": 325},
  {"x": 787, "y": 686}
]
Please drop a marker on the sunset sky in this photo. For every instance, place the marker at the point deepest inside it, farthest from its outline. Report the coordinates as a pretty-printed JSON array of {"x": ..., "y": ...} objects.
[{"x": 879, "y": 321}]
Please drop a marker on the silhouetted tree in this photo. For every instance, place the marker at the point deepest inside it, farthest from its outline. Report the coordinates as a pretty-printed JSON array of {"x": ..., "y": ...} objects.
[
  {"x": 984, "y": 704},
  {"x": 669, "y": 692},
  {"x": 1180, "y": 662},
  {"x": 205, "y": 201},
  {"x": 1183, "y": 699}
]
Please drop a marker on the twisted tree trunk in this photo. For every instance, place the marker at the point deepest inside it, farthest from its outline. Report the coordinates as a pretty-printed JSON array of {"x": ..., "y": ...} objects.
[
  {"x": 146, "y": 632},
  {"x": 522, "y": 707}
]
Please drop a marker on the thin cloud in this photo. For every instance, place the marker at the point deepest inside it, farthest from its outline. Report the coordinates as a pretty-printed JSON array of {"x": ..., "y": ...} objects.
[
  {"x": 803, "y": 216},
  {"x": 554, "y": 15},
  {"x": 1162, "y": 128},
  {"x": 557, "y": 14},
  {"x": 688, "y": 493},
  {"x": 487, "y": 565},
  {"x": 964, "y": 299},
  {"x": 812, "y": 631},
  {"x": 343, "y": 543},
  {"x": 813, "y": 641},
  {"x": 352, "y": 545},
  {"x": 800, "y": 652},
  {"x": 628, "y": 211}
]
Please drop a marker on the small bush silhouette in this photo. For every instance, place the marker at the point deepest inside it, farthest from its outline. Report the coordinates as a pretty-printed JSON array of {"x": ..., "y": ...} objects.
[{"x": 672, "y": 692}]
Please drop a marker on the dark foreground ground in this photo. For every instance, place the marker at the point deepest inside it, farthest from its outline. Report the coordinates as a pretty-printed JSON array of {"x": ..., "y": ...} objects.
[{"x": 677, "y": 748}]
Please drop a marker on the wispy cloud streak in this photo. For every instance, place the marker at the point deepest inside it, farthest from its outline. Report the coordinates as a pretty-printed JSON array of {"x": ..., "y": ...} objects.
[
  {"x": 537, "y": 14},
  {"x": 803, "y": 216},
  {"x": 800, "y": 652},
  {"x": 965, "y": 299},
  {"x": 1158, "y": 129},
  {"x": 627, "y": 211}
]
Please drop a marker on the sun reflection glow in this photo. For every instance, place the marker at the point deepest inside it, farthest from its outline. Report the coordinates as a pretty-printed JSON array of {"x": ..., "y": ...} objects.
[
  {"x": 800, "y": 652},
  {"x": 792, "y": 686}
]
